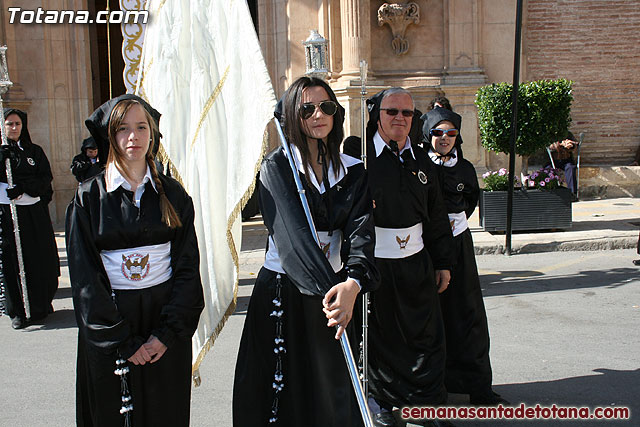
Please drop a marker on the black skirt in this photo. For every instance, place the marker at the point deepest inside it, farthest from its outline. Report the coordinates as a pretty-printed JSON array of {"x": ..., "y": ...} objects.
[
  {"x": 406, "y": 334},
  {"x": 40, "y": 256},
  {"x": 316, "y": 388},
  {"x": 465, "y": 320},
  {"x": 160, "y": 391}
]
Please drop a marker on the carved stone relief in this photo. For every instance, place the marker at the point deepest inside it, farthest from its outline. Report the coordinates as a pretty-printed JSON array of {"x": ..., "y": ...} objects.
[{"x": 398, "y": 17}]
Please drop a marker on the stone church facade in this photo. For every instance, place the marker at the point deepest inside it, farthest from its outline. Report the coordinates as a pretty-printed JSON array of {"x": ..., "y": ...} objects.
[{"x": 442, "y": 47}]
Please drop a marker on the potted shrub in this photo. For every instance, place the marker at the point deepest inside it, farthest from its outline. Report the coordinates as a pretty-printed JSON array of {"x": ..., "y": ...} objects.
[
  {"x": 540, "y": 204},
  {"x": 543, "y": 117}
]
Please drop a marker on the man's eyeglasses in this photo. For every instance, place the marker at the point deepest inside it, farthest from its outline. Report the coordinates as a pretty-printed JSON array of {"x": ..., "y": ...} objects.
[
  {"x": 327, "y": 107},
  {"x": 442, "y": 132},
  {"x": 395, "y": 111}
]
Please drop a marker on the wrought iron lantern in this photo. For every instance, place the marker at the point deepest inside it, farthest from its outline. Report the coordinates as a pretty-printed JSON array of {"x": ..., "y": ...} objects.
[{"x": 316, "y": 53}]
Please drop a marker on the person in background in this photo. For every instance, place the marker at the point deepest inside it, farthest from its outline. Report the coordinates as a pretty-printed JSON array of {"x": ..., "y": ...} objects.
[
  {"x": 32, "y": 193},
  {"x": 86, "y": 164},
  {"x": 465, "y": 320},
  {"x": 563, "y": 159}
]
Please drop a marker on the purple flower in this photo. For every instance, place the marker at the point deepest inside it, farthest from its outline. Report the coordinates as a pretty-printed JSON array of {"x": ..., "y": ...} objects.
[
  {"x": 547, "y": 179},
  {"x": 484, "y": 175},
  {"x": 502, "y": 172},
  {"x": 534, "y": 175},
  {"x": 532, "y": 184},
  {"x": 542, "y": 184}
]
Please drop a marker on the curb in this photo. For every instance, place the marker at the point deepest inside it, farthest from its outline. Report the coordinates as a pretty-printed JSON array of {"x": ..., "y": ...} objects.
[{"x": 577, "y": 245}]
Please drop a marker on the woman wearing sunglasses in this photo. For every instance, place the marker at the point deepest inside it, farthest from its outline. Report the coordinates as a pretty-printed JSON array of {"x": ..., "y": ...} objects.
[
  {"x": 290, "y": 369},
  {"x": 468, "y": 368}
]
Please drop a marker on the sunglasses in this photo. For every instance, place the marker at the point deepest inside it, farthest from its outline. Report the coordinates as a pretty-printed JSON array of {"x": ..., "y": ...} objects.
[
  {"x": 442, "y": 132},
  {"x": 395, "y": 111},
  {"x": 327, "y": 107}
]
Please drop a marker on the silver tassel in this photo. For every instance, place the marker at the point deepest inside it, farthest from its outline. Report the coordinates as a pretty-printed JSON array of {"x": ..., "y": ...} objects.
[{"x": 122, "y": 369}]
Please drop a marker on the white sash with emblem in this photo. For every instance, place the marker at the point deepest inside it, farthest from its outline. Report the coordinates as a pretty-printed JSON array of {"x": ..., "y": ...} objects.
[
  {"x": 397, "y": 243},
  {"x": 138, "y": 268},
  {"x": 330, "y": 245},
  {"x": 458, "y": 222}
]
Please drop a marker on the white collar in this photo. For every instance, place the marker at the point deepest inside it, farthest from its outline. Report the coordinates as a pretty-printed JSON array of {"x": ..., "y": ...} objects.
[
  {"x": 347, "y": 161},
  {"x": 115, "y": 179},
  {"x": 379, "y": 144},
  {"x": 437, "y": 159}
]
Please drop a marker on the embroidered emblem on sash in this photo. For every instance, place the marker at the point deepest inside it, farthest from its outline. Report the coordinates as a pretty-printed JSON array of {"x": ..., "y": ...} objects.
[
  {"x": 31, "y": 161},
  {"x": 453, "y": 221},
  {"x": 460, "y": 187},
  {"x": 326, "y": 249},
  {"x": 403, "y": 242},
  {"x": 422, "y": 177},
  {"x": 135, "y": 266}
]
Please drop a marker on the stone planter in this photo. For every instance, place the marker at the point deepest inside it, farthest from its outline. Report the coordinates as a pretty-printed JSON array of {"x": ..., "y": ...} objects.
[{"x": 532, "y": 210}]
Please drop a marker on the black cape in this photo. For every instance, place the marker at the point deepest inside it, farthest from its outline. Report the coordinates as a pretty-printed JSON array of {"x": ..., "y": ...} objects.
[
  {"x": 317, "y": 390},
  {"x": 30, "y": 170},
  {"x": 98, "y": 220},
  {"x": 406, "y": 334}
]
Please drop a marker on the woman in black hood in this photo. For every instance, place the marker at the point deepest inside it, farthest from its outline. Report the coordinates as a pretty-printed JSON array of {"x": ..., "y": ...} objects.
[
  {"x": 32, "y": 192},
  {"x": 468, "y": 368},
  {"x": 135, "y": 276}
]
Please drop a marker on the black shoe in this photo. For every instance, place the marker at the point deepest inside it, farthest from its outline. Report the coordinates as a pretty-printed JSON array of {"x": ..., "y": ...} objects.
[
  {"x": 18, "y": 322},
  {"x": 636, "y": 262},
  {"x": 489, "y": 397},
  {"x": 384, "y": 419}
]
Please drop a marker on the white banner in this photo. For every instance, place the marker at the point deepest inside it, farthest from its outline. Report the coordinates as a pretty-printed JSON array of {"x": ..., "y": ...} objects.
[{"x": 202, "y": 68}]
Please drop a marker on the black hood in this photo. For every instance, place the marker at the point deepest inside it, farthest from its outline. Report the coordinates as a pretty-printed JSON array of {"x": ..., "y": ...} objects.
[
  {"x": 88, "y": 143},
  {"x": 373, "y": 106},
  {"x": 434, "y": 117},
  {"x": 25, "y": 138},
  {"x": 98, "y": 123}
]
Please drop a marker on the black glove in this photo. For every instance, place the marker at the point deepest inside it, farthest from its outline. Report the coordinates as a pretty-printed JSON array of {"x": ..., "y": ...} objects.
[
  {"x": 15, "y": 191},
  {"x": 9, "y": 151}
]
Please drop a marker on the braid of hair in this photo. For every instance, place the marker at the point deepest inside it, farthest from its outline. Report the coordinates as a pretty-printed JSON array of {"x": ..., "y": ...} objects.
[{"x": 169, "y": 215}]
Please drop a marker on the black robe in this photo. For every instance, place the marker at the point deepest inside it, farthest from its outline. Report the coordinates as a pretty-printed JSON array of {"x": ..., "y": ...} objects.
[
  {"x": 406, "y": 334},
  {"x": 317, "y": 389},
  {"x": 32, "y": 171},
  {"x": 468, "y": 365},
  {"x": 98, "y": 220}
]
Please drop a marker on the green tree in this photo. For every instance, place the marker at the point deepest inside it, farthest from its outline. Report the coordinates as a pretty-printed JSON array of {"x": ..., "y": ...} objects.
[{"x": 544, "y": 109}]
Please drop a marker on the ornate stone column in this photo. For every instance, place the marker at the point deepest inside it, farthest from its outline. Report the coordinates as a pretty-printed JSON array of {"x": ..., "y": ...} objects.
[
  {"x": 462, "y": 42},
  {"x": 356, "y": 35}
]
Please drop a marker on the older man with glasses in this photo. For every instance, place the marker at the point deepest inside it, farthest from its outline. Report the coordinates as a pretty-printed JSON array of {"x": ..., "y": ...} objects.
[{"x": 413, "y": 253}]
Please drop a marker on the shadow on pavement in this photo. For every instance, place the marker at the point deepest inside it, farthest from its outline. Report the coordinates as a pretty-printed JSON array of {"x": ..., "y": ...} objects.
[
  {"x": 522, "y": 282},
  {"x": 605, "y": 388},
  {"x": 60, "y": 319}
]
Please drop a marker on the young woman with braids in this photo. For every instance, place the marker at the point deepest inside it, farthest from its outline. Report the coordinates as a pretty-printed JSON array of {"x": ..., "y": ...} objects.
[
  {"x": 290, "y": 369},
  {"x": 134, "y": 269}
]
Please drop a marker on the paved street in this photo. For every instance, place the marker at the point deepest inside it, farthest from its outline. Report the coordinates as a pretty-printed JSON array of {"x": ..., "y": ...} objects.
[{"x": 564, "y": 330}]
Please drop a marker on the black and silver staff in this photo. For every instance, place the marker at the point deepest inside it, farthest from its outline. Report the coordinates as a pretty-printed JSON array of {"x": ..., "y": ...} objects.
[
  {"x": 363, "y": 157},
  {"x": 344, "y": 340},
  {"x": 5, "y": 84}
]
